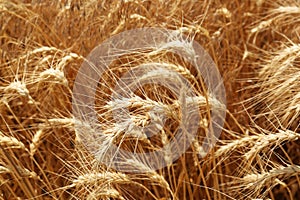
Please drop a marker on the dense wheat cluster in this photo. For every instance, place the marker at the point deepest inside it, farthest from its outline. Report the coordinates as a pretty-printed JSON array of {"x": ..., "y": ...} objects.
[{"x": 255, "y": 44}]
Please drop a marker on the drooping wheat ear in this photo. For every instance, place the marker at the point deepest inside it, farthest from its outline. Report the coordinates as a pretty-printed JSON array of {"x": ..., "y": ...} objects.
[
  {"x": 104, "y": 193},
  {"x": 259, "y": 142},
  {"x": 151, "y": 175},
  {"x": 104, "y": 179},
  {"x": 42, "y": 132},
  {"x": 13, "y": 91},
  {"x": 23, "y": 172},
  {"x": 279, "y": 16},
  {"x": 11, "y": 142},
  {"x": 271, "y": 140},
  {"x": 54, "y": 74},
  {"x": 236, "y": 144},
  {"x": 34, "y": 60},
  {"x": 10, "y": 164},
  {"x": 254, "y": 183},
  {"x": 101, "y": 177},
  {"x": 17, "y": 86},
  {"x": 4, "y": 170},
  {"x": 279, "y": 94},
  {"x": 36, "y": 140}
]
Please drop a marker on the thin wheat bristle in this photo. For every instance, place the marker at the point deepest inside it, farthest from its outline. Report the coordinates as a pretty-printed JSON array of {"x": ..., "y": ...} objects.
[
  {"x": 122, "y": 139},
  {"x": 105, "y": 178}
]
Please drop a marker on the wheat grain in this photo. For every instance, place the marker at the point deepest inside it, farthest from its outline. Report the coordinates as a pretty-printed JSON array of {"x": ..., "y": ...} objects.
[
  {"x": 11, "y": 142},
  {"x": 255, "y": 45}
]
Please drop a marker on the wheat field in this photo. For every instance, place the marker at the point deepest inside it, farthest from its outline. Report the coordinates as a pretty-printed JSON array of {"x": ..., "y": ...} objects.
[{"x": 255, "y": 44}]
